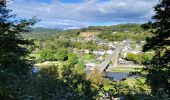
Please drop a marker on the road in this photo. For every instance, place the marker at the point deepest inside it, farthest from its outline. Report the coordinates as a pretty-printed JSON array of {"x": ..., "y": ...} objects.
[{"x": 112, "y": 57}]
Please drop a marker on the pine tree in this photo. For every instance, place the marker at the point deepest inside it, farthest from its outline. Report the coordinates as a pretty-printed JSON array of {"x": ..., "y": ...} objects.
[
  {"x": 158, "y": 69},
  {"x": 15, "y": 69}
]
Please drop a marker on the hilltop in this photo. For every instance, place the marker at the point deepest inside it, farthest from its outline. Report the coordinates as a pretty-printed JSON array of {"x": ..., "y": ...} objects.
[
  {"x": 111, "y": 33},
  {"x": 42, "y": 30}
]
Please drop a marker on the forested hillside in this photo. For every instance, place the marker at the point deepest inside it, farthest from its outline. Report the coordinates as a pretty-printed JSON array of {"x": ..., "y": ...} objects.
[
  {"x": 41, "y": 30},
  {"x": 119, "y": 27},
  {"x": 41, "y": 33},
  {"x": 112, "y": 33}
]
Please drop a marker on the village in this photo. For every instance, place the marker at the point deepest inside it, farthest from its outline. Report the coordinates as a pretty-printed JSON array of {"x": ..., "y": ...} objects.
[{"x": 116, "y": 64}]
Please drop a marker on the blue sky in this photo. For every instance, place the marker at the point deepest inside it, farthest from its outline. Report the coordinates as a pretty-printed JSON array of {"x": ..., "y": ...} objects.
[{"x": 68, "y": 14}]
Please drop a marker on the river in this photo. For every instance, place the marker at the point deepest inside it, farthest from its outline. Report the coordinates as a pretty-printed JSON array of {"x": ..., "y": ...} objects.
[{"x": 115, "y": 76}]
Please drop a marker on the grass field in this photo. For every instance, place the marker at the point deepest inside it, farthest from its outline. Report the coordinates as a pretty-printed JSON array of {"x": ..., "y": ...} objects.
[
  {"x": 49, "y": 63},
  {"x": 126, "y": 69}
]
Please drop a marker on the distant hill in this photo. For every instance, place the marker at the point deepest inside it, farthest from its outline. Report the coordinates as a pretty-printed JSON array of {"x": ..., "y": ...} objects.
[
  {"x": 119, "y": 28},
  {"x": 132, "y": 31},
  {"x": 41, "y": 30},
  {"x": 118, "y": 32},
  {"x": 41, "y": 33}
]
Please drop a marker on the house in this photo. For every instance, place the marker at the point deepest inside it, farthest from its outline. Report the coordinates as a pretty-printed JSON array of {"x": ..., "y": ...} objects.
[
  {"x": 138, "y": 46},
  {"x": 125, "y": 62},
  {"x": 111, "y": 45},
  {"x": 99, "y": 53},
  {"x": 125, "y": 50},
  {"x": 100, "y": 58},
  {"x": 86, "y": 51},
  {"x": 79, "y": 52},
  {"x": 115, "y": 42},
  {"x": 127, "y": 43},
  {"x": 90, "y": 66},
  {"x": 143, "y": 42},
  {"x": 126, "y": 31},
  {"x": 114, "y": 32},
  {"x": 109, "y": 52},
  {"x": 102, "y": 42}
]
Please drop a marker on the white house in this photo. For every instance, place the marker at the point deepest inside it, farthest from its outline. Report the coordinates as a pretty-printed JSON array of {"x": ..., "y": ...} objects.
[
  {"x": 109, "y": 52},
  {"x": 110, "y": 44},
  {"x": 100, "y": 58},
  {"x": 99, "y": 53},
  {"x": 86, "y": 51},
  {"x": 125, "y": 50},
  {"x": 90, "y": 66}
]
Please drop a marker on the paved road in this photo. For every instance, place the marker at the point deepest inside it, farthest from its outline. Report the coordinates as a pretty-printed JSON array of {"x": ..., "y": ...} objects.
[
  {"x": 105, "y": 64},
  {"x": 115, "y": 56}
]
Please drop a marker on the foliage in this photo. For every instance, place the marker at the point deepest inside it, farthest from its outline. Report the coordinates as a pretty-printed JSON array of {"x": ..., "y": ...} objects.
[
  {"x": 62, "y": 54},
  {"x": 96, "y": 77},
  {"x": 137, "y": 58},
  {"x": 15, "y": 69},
  {"x": 140, "y": 58},
  {"x": 121, "y": 28},
  {"x": 120, "y": 36},
  {"x": 147, "y": 57},
  {"x": 43, "y": 34},
  {"x": 158, "y": 68},
  {"x": 90, "y": 45},
  {"x": 41, "y": 30},
  {"x": 54, "y": 44},
  {"x": 72, "y": 59},
  {"x": 72, "y": 86},
  {"x": 47, "y": 55},
  {"x": 62, "y": 42},
  {"x": 80, "y": 66},
  {"x": 125, "y": 90}
]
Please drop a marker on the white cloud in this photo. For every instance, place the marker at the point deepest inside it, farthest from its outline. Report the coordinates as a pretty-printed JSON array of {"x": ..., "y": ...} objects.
[{"x": 85, "y": 13}]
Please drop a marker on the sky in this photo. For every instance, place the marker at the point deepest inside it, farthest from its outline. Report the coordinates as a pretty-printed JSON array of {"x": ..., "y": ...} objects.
[{"x": 70, "y": 14}]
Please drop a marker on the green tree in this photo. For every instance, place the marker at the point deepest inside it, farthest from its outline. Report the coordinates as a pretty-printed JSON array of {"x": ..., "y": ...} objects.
[
  {"x": 137, "y": 58},
  {"x": 62, "y": 54},
  {"x": 47, "y": 55},
  {"x": 15, "y": 69},
  {"x": 72, "y": 86},
  {"x": 147, "y": 57},
  {"x": 72, "y": 58},
  {"x": 158, "y": 69}
]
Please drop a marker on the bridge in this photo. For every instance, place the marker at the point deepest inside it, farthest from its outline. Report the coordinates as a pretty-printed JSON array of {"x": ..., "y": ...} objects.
[
  {"x": 105, "y": 64},
  {"x": 112, "y": 57}
]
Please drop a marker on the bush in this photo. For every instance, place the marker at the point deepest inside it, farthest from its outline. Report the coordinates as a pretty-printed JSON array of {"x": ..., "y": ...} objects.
[
  {"x": 72, "y": 58},
  {"x": 137, "y": 58},
  {"x": 62, "y": 54},
  {"x": 140, "y": 58},
  {"x": 47, "y": 55}
]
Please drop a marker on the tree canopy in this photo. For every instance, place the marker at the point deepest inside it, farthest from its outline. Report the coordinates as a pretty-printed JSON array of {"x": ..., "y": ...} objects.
[
  {"x": 15, "y": 69},
  {"x": 158, "y": 68}
]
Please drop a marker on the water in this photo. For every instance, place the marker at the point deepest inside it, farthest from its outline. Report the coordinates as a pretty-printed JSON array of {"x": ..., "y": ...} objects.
[
  {"x": 35, "y": 69},
  {"x": 116, "y": 76}
]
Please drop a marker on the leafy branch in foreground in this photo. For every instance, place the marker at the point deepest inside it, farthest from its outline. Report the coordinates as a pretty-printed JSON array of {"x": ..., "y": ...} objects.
[
  {"x": 158, "y": 69},
  {"x": 15, "y": 69}
]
